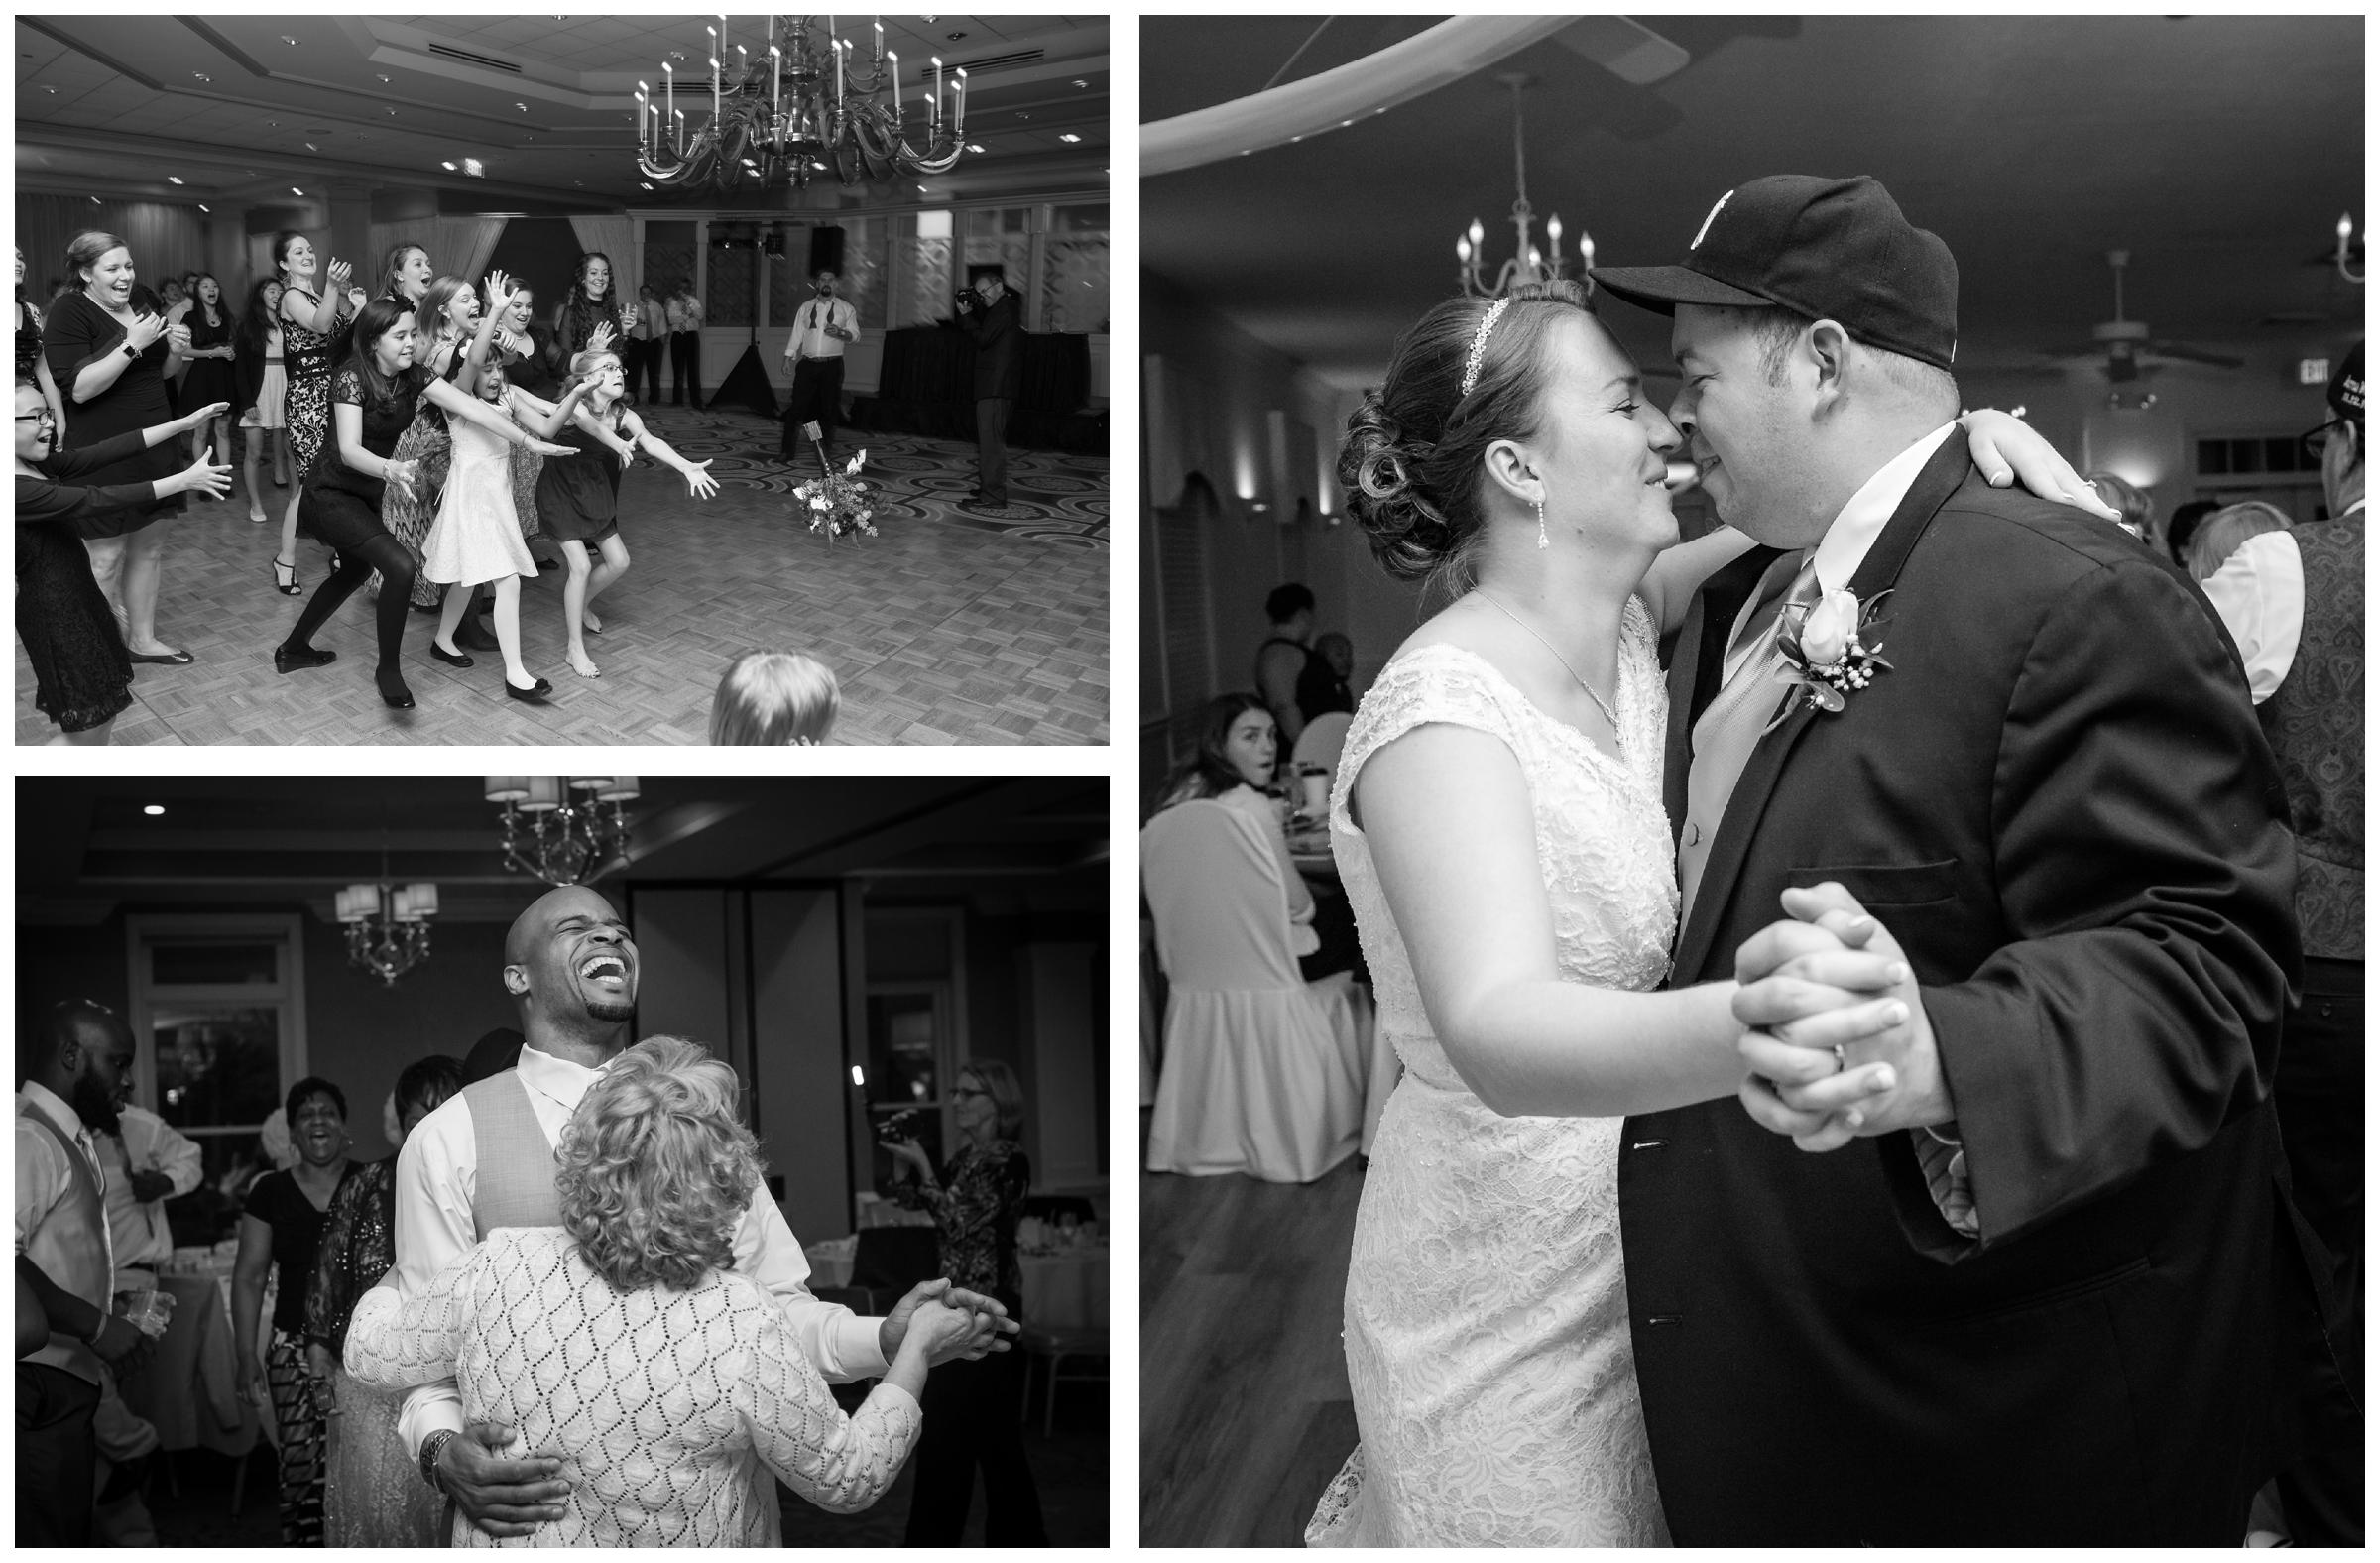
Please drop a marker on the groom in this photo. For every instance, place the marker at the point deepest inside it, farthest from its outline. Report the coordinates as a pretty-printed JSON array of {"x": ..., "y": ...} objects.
[{"x": 2046, "y": 1295}]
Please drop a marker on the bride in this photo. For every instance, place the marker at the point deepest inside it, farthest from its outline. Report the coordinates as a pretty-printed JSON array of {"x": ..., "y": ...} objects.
[{"x": 1498, "y": 820}]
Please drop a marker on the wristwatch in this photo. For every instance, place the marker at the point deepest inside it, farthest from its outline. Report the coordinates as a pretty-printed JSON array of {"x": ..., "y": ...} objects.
[
  {"x": 131, "y": 351},
  {"x": 432, "y": 1447}
]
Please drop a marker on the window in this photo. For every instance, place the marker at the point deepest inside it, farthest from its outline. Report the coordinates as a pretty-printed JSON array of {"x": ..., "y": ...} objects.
[{"x": 218, "y": 1023}]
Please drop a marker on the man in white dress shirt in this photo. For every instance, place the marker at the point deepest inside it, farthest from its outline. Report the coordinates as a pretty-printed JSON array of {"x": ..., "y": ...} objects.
[
  {"x": 572, "y": 967},
  {"x": 147, "y": 1162},
  {"x": 814, "y": 357}
]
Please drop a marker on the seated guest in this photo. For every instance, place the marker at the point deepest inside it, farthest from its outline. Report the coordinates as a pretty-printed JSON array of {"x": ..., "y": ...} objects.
[
  {"x": 282, "y": 1230},
  {"x": 2137, "y": 513},
  {"x": 1233, "y": 766},
  {"x": 776, "y": 698},
  {"x": 66, "y": 1065},
  {"x": 372, "y": 1497},
  {"x": 624, "y": 1340}
]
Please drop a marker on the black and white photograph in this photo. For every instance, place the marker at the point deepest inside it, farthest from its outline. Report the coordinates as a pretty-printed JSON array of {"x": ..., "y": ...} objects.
[
  {"x": 341, "y": 352},
  {"x": 577, "y": 1161},
  {"x": 1753, "y": 781}
]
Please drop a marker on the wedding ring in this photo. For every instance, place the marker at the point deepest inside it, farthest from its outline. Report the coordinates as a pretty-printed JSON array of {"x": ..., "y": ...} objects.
[{"x": 1840, "y": 1065}]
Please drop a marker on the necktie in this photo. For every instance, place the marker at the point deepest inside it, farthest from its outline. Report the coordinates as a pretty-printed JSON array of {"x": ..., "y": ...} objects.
[{"x": 1731, "y": 728}]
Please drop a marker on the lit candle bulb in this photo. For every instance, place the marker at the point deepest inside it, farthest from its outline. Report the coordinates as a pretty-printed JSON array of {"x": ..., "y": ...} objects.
[
  {"x": 777, "y": 78},
  {"x": 681, "y": 132},
  {"x": 1462, "y": 251},
  {"x": 668, "y": 90},
  {"x": 723, "y": 37},
  {"x": 714, "y": 88},
  {"x": 933, "y": 110},
  {"x": 895, "y": 57},
  {"x": 642, "y": 148},
  {"x": 1553, "y": 232},
  {"x": 1478, "y": 233},
  {"x": 1586, "y": 249},
  {"x": 958, "y": 118},
  {"x": 879, "y": 43}
]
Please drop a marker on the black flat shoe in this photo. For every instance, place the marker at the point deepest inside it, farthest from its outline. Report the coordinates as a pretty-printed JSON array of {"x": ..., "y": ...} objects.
[
  {"x": 536, "y": 694},
  {"x": 171, "y": 658},
  {"x": 393, "y": 692},
  {"x": 285, "y": 579},
  {"x": 431, "y": 611},
  {"x": 451, "y": 658},
  {"x": 288, "y": 659}
]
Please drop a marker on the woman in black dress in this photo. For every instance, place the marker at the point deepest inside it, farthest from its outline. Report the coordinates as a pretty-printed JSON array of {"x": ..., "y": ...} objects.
[
  {"x": 110, "y": 362},
  {"x": 406, "y": 276},
  {"x": 82, "y": 679},
  {"x": 976, "y": 1199},
  {"x": 30, "y": 365},
  {"x": 310, "y": 322},
  {"x": 210, "y": 377},
  {"x": 280, "y": 1230},
  {"x": 373, "y": 402}
]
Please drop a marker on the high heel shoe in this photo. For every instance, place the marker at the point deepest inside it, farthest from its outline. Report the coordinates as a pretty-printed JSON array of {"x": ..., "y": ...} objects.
[
  {"x": 288, "y": 586},
  {"x": 537, "y": 695},
  {"x": 393, "y": 692}
]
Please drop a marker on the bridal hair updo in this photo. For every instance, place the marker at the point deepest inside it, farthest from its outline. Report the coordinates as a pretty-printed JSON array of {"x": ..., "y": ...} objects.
[{"x": 1411, "y": 465}]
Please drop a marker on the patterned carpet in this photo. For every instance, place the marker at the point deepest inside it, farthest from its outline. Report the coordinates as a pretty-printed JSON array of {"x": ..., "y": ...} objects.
[{"x": 960, "y": 623}]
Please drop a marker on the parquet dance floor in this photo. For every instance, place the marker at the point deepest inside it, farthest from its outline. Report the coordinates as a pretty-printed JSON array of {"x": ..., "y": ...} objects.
[{"x": 957, "y": 625}]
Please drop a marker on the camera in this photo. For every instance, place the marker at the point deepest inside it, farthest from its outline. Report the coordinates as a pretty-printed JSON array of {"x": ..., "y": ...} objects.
[
  {"x": 970, "y": 298},
  {"x": 899, "y": 1125}
]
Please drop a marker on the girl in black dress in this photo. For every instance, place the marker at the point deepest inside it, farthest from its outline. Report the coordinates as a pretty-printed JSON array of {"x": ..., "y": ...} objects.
[
  {"x": 310, "y": 322},
  {"x": 110, "y": 361},
  {"x": 578, "y": 502},
  {"x": 406, "y": 276},
  {"x": 373, "y": 403},
  {"x": 210, "y": 377},
  {"x": 592, "y": 302},
  {"x": 83, "y": 678}
]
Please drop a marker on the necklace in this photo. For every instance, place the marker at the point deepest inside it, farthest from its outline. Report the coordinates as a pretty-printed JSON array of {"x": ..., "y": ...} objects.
[{"x": 1600, "y": 704}]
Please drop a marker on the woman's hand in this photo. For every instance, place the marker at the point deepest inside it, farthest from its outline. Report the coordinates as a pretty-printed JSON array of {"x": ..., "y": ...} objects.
[
  {"x": 248, "y": 1380},
  {"x": 399, "y": 475},
  {"x": 202, "y": 477},
  {"x": 910, "y": 1151},
  {"x": 941, "y": 1332},
  {"x": 203, "y": 417},
  {"x": 548, "y": 449},
  {"x": 627, "y": 451},
  {"x": 699, "y": 482},
  {"x": 338, "y": 273},
  {"x": 177, "y": 338},
  {"x": 599, "y": 338},
  {"x": 144, "y": 331},
  {"x": 320, "y": 1363},
  {"x": 2006, "y": 448},
  {"x": 497, "y": 294}
]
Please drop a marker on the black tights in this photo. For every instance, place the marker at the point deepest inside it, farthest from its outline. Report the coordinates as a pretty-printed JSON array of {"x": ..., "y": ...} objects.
[{"x": 385, "y": 555}]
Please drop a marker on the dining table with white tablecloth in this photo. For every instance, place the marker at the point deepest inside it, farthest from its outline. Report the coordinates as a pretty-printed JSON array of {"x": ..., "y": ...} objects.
[
  {"x": 190, "y": 1389},
  {"x": 1066, "y": 1288}
]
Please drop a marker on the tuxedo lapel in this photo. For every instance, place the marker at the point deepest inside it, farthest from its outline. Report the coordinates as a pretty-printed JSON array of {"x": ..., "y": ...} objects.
[
  {"x": 1733, "y": 841},
  {"x": 1683, "y": 661}
]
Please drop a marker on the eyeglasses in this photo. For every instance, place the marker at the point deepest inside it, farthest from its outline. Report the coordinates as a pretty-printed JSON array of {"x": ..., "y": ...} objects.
[
  {"x": 42, "y": 417},
  {"x": 968, "y": 1090},
  {"x": 2316, "y": 440}
]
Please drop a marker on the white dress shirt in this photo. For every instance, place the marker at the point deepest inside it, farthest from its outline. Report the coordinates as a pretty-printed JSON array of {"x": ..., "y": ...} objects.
[
  {"x": 809, "y": 338},
  {"x": 147, "y": 1144},
  {"x": 438, "y": 1171},
  {"x": 683, "y": 311},
  {"x": 2260, "y": 593}
]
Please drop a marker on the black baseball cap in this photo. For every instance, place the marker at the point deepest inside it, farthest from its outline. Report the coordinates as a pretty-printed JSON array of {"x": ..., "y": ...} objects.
[
  {"x": 2345, "y": 391},
  {"x": 1830, "y": 249}
]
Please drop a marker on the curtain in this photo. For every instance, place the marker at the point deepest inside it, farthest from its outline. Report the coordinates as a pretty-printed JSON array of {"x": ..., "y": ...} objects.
[
  {"x": 165, "y": 240},
  {"x": 615, "y": 237},
  {"x": 457, "y": 246}
]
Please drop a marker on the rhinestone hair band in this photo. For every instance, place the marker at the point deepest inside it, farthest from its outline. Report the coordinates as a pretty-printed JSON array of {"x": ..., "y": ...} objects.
[{"x": 1479, "y": 343}]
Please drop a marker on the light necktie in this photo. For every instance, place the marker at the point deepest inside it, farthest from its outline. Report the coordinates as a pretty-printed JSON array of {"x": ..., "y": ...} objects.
[{"x": 1730, "y": 727}]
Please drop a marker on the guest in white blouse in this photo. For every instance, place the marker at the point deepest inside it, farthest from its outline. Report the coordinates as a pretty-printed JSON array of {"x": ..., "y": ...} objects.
[{"x": 626, "y": 1339}]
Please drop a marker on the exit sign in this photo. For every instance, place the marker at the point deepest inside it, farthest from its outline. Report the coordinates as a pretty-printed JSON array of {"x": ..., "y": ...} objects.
[{"x": 2314, "y": 371}]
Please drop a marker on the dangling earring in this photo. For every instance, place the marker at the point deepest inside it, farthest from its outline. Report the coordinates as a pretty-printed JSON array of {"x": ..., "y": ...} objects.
[{"x": 1543, "y": 541}]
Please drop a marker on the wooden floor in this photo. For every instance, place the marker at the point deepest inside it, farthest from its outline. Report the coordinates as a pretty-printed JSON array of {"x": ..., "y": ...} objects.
[
  {"x": 1244, "y": 1415},
  {"x": 960, "y": 623}
]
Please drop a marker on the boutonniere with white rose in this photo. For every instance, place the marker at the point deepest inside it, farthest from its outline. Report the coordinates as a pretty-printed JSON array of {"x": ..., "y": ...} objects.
[{"x": 1832, "y": 647}]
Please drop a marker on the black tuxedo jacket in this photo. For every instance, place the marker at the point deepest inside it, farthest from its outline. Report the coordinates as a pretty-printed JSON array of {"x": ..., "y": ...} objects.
[
  {"x": 2059, "y": 801},
  {"x": 999, "y": 334}
]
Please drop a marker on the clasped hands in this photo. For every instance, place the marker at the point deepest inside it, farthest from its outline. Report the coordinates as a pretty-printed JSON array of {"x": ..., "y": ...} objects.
[{"x": 1837, "y": 1041}]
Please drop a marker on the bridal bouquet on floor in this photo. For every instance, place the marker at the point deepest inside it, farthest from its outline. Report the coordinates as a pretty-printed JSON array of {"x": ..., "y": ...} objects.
[{"x": 836, "y": 503}]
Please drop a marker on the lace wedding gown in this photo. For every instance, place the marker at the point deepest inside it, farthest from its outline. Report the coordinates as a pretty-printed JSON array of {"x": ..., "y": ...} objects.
[{"x": 1486, "y": 1321}]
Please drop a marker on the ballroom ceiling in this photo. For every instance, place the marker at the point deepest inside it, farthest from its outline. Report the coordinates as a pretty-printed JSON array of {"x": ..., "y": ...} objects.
[
  {"x": 239, "y": 108},
  {"x": 2218, "y": 150},
  {"x": 87, "y": 845}
]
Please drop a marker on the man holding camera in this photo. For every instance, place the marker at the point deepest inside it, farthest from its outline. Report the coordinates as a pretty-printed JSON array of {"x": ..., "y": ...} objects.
[
  {"x": 814, "y": 357},
  {"x": 990, "y": 314}
]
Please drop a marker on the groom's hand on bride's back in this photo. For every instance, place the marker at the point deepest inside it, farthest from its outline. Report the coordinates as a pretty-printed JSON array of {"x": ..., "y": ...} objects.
[
  {"x": 502, "y": 1494},
  {"x": 1812, "y": 1080}
]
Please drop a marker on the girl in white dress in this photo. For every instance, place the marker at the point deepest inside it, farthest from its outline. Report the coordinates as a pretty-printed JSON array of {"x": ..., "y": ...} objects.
[
  {"x": 1498, "y": 820},
  {"x": 477, "y": 535}
]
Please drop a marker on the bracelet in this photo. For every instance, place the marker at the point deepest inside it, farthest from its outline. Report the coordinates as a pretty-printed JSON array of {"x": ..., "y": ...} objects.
[{"x": 432, "y": 1447}]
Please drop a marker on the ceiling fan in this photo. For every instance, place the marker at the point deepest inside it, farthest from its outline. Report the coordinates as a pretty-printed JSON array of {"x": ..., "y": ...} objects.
[{"x": 2126, "y": 347}]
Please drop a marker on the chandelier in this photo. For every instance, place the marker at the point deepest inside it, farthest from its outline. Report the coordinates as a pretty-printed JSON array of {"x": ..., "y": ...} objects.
[
  {"x": 564, "y": 831},
  {"x": 808, "y": 107},
  {"x": 388, "y": 926},
  {"x": 1528, "y": 263}
]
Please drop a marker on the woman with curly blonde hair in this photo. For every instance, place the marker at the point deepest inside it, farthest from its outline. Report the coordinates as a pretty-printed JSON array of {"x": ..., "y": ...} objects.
[{"x": 624, "y": 1340}]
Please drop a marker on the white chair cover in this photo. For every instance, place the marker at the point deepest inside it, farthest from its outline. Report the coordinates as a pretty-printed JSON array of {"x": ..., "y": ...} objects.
[
  {"x": 1263, "y": 1072},
  {"x": 1319, "y": 743}
]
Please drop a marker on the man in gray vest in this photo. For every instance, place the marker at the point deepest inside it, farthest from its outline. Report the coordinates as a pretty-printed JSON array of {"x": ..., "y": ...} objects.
[
  {"x": 69, "y": 1070},
  {"x": 485, "y": 1160}
]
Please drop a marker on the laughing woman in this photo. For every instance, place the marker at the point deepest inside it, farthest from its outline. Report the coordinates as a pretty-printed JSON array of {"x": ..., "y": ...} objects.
[{"x": 110, "y": 362}]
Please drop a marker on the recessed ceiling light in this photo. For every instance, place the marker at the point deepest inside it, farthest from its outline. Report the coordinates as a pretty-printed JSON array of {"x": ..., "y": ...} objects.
[
  {"x": 1068, "y": 135},
  {"x": 276, "y": 124},
  {"x": 522, "y": 107},
  {"x": 294, "y": 191},
  {"x": 172, "y": 178},
  {"x": 472, "y": 167},
  {"x": 1020, "y": 114},
  {"x": 975, "y": 146},
  {"x": 641, "y": 184},
  {"x": 1081, "y": 84},
  {"x": 52, "y": 91},
  {"x": 287, "y": 39},
  {"x": 922, "y": 191},
  {"x": 96, "y": 199},
  {"x": 202, "y": 76},
  {"x": 384, "y": 81},
  {"x": 153, "y": 808},
  {"x": 954, "y": 36},
  {"x": 448, "y": 166},
  {"x": 310, "y": 147},
  {"x": 204, "y": 207}
]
